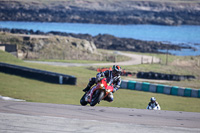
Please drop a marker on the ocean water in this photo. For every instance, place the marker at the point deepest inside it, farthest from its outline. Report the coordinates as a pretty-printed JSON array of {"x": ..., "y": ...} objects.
[{"x": 188, "y": 35}]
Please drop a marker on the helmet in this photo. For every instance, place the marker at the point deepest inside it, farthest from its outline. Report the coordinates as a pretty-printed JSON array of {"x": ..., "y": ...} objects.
[
  {"x": 153, "y": 99},
  {"x": 116, "y": 70}
]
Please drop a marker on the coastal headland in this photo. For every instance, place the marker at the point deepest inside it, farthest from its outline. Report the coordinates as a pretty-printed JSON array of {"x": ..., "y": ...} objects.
[{"x": 106, "y": 41}]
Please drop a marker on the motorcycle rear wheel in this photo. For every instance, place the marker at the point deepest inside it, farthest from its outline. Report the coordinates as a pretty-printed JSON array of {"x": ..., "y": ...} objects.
[
  {"x": 82, "y": 101},
  {"x": 97, "y": 97}
]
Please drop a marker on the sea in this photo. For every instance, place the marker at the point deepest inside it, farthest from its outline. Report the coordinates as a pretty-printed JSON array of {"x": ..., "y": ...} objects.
[{"x": 187, "y": 35}]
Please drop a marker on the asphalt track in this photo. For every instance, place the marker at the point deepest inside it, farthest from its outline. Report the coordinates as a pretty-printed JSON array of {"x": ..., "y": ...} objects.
[
  {"x": 135, "y": 60},
  {"x": 29, "y": 117}
]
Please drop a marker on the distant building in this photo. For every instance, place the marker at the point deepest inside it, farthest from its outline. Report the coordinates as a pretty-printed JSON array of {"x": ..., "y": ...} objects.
[
  {"x": 11, "y": 48},
  {"x": 8, "y": 47}
]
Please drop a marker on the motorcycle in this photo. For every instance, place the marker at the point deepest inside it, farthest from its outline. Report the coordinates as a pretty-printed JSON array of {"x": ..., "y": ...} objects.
[
  {"x": 154, "y": 107},
  {"x": 97, "y": 93}
]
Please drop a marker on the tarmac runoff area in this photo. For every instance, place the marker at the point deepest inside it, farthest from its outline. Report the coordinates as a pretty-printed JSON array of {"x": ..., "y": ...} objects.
[{"x": 26, "y": 117}]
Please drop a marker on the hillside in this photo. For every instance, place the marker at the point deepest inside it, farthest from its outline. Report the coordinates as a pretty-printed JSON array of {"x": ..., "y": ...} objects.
[
  {"x": 170, "y": 12},
  {"x": 51, "y": 46}
]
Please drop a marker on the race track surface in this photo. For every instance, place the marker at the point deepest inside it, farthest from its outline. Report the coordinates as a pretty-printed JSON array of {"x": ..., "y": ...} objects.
[
  {"x": 135, "y": 60},
  {"x": 23, "y": 117}
]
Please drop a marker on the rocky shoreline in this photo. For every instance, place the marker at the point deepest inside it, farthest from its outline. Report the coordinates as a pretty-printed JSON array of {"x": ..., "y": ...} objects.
[
  {"x": 103, "y": 12},
  {"x": 105, "y": 41}
]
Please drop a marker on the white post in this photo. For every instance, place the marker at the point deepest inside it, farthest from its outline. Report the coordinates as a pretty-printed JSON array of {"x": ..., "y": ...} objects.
[
  {"x": 142, "y": 60},
  {"x": 60, "y": 79}
]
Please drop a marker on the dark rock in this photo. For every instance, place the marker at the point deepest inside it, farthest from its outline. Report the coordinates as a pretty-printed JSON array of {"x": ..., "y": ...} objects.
[{"x": 103, "y": 12}]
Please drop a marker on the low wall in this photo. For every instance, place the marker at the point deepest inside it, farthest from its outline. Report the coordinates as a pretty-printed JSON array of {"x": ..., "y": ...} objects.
[
  {"x": 159, "y": 88},
  {"x": 37, "y": 74}
]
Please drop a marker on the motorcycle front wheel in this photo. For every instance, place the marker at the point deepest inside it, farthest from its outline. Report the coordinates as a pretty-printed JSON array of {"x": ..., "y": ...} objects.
[
  {"x": 82, "y": 101},
  {"x": 97, "y": 97}
]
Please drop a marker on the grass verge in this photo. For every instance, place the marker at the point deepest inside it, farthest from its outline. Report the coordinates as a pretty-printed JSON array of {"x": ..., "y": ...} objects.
[{"x": 36, "y": 91}]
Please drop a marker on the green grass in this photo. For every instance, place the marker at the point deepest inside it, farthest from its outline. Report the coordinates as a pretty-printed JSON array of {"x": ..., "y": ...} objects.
[
  {"x": 8, "y": 58},
  {"x": 174, "y": 66},
  {"x": 138, "y": 99},
  {"x": 37, "y": 91}
]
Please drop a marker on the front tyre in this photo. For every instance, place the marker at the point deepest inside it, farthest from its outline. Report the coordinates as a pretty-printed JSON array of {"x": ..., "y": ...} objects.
[
  {"x": 82, "y": 101},
  {"x": 97, "y": 97}
]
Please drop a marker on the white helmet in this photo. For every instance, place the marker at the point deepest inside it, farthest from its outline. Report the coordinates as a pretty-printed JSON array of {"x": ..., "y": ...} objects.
[{"x": 153, "y": 99}]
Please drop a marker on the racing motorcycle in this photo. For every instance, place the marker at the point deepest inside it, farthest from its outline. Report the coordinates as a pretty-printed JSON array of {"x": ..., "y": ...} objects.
[
  {"x": 154, "y": 107},
  {"x": 97, "y": 93}
]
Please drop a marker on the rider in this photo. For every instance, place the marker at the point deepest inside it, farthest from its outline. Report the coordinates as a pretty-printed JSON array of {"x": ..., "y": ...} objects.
[
  {"x": 153, "y": 104},
  {"x": 111, "y": 76}
]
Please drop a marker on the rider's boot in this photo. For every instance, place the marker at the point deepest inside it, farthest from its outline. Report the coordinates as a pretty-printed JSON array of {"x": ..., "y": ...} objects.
[
  {"x": 91, "y": 83},
  {"x": 86, "y": 89}
]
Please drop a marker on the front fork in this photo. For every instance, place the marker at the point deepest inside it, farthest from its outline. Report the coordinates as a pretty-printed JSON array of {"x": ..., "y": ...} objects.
[{"x": 87, "y": 97}]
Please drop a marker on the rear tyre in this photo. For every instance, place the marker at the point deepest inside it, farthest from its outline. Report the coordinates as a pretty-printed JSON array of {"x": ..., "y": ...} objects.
[
  {"x": 97, "y": 97},
  {"x": 82, "y": 101}
]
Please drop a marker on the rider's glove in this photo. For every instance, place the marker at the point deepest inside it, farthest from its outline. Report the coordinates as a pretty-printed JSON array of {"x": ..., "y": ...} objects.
[
  {"x": 97, "y": 80},
  {"x": 98, "y": 77},
  {"x": 115, "y": 89}
]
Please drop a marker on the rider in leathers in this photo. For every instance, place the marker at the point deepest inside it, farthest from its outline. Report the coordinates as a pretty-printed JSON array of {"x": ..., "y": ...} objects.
[
  {"x": 153, "y": 104},
  {"x": 111, "y": 76}
]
